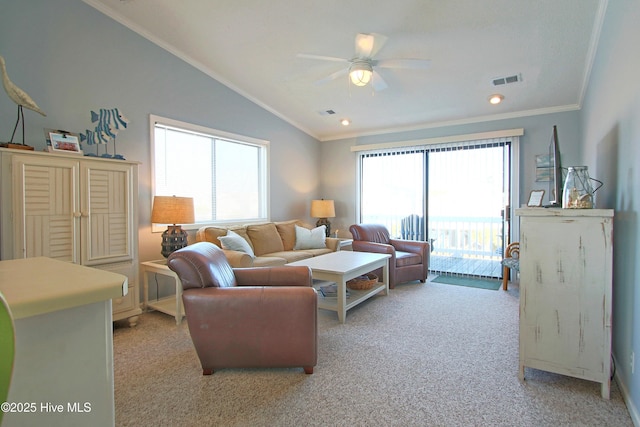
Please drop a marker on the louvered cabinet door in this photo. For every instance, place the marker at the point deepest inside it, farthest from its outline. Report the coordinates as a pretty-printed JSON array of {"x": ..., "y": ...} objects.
[
  {"x": 75, "y": 209},
  {"x": 107, "y": 212},
  {"x": 46, "y": 210}
]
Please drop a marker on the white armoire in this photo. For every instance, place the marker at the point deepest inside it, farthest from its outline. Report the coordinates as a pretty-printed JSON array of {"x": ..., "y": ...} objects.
[
  {"x": 566, "y": 258},
  {"x": 72, "y": 208}
]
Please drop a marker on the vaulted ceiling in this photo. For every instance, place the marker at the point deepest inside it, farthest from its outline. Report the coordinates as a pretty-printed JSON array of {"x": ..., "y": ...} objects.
[{"x": 253, "y": 47}]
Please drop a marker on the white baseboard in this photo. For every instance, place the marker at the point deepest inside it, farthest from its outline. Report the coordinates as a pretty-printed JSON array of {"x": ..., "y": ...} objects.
[{"x": 633, "y": 411}]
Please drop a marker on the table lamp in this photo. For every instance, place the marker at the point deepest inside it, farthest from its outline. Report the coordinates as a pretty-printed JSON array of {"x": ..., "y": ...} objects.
[
  {"x": 172, "y": 210},
  {"x": 323, "y": 209}
]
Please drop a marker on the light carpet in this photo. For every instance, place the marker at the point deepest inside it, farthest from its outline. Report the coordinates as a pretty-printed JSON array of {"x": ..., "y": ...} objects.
[{"x": 425, "y": 355}]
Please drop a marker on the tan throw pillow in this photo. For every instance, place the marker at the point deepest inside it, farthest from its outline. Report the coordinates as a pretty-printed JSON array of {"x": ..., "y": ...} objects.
[{"x": 265, "y": 238}]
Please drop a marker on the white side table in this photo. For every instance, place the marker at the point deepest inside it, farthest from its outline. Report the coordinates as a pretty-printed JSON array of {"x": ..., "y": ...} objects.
[
  {"x": 170, "y": 305},
  {"x": 345, "y": 244}
]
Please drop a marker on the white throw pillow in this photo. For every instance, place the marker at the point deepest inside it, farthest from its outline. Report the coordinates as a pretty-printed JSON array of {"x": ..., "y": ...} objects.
[
  {"x": 310, "y": 239},
  {"x": 235, "y": 242}
]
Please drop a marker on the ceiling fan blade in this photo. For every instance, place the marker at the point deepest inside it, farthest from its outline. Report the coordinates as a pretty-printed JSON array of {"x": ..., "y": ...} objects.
[
  {"x": 367, "y": 45},
  {"x": 414, "y": 64},
  {"x": 377, "y": 82},
  {"x": 331, "y": 77},
  {"x": 322, "y": 58}
]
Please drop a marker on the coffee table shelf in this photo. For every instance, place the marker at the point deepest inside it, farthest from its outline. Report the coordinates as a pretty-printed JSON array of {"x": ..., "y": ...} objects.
[
  {"x": 355, "y": 297},
  {"x": 341, "y": 266}
]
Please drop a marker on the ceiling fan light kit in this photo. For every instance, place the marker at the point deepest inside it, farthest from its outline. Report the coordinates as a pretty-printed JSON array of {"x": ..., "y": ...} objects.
[
  {"x": 360, "y": 70},
  {"x": 360, "y": 73}
]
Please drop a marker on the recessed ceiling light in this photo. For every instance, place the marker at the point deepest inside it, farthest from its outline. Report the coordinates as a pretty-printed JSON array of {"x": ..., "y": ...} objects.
[
  {"x": 345, "y": 122},
  {"x": 496, "y": 99}
]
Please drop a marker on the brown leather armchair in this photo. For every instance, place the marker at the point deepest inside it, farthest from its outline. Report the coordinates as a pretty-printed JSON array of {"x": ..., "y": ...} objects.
[
  {"x": 247, "y": 317},
  {"x": 409, "y": 258}
]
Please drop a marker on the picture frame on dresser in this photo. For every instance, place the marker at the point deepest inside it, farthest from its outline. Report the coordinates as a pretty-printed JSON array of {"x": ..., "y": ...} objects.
[
  {"x": 62, "y": 141},
  {"x": 535, "y": 198}
]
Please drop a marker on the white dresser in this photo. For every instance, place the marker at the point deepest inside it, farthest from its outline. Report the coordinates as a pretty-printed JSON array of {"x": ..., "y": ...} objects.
[
  {"x": 72, "y": 208},
  {"x": 566, "y": 258}
]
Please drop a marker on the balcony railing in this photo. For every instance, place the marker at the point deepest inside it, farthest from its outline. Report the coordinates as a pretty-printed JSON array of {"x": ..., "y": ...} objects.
[
  {"x": 476, "y": 237},
  {"x": 461, "y": 244}
]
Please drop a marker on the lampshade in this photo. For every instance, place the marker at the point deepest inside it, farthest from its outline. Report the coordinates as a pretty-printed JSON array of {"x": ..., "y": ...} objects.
[
  {"x": 172, "y": 210},
  {"x": 323, "y": 209},
  {"x": 360, "y": 73}
]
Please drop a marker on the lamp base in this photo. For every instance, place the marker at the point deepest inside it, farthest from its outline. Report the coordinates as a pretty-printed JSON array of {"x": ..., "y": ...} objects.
[
  {"x": 326, "y": 223},
  {"x": 173, "y": 238}
]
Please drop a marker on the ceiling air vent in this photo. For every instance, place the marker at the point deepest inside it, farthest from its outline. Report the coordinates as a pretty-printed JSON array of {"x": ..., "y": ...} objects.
[
  {"x": 326, "y": 112},
  {"x": 499, "y": 81}
]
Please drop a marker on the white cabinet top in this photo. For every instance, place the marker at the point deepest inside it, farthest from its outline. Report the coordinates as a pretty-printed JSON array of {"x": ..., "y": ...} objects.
[
  {"x": 40, "y": 285},
  {"x": 559, "y": 212},
  {"x": 73, "y": 156}
]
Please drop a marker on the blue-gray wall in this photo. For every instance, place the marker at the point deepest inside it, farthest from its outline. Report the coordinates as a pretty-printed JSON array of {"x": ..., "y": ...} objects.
[
  {"x": 72, "y": 59},
  {"x": 610, "y": 125}
]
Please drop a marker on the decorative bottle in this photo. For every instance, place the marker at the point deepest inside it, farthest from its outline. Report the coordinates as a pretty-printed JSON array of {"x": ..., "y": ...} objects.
[{"x": 578, "y": 192}]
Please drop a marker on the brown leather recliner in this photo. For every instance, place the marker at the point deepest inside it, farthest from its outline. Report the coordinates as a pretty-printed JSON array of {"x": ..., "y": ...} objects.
[
  {"x": 247, "y": 317},
  {"x": 409, "y": 258}
]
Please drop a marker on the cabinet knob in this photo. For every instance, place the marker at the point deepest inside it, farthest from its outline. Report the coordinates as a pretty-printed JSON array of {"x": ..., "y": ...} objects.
[{"x": 77, "y": 214}]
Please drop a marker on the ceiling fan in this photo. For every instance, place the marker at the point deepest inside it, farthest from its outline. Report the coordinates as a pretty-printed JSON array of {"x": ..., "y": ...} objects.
[{"x": 361, "y": 66}]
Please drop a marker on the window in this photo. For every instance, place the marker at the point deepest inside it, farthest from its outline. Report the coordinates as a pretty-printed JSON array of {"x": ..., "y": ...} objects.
[{"x": 225, "y": 174}]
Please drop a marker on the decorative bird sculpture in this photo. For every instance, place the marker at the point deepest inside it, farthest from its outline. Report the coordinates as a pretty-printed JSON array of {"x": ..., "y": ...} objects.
[{"x": 18, "y": 96}]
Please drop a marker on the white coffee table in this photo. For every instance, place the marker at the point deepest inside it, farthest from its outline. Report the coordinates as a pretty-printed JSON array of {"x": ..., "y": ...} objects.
[{"x": 342, "y": 266}]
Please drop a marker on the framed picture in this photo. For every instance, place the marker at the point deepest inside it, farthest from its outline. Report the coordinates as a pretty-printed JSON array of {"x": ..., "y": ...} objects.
[
  {"x": 535, "y": 198},
  {"x": 543, "y": 168},
  {"x": 61, "y": 141}
]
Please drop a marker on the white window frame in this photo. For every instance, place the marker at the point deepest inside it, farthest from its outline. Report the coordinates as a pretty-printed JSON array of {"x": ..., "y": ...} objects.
[{"x": 264, "y": 190}]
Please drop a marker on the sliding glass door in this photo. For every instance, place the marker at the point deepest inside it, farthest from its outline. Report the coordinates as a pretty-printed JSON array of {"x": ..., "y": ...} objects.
[
  {"x": 467, "y": 193},
  {"x": 453, "y": 195},
  {"x": 393, "y": 190}
]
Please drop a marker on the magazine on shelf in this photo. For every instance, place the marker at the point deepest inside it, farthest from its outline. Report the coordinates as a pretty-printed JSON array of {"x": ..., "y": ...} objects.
[{"x": 327, "y": 289}]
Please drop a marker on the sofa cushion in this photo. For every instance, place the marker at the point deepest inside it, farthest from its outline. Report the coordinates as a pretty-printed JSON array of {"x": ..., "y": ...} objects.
[
  {"x": 310, "y": 239},
  {"x": 268, "y": 261},
  {"x": 264, "y": 238},
  {"x": 236, "y": 242},
  {"x": 211, "y": 234},
  {"x": 287, "y": 232},
  {"x": 317, "y": 252},
  {"x": 407, "y": 258},
  {"x": 291, "y": 256}
]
